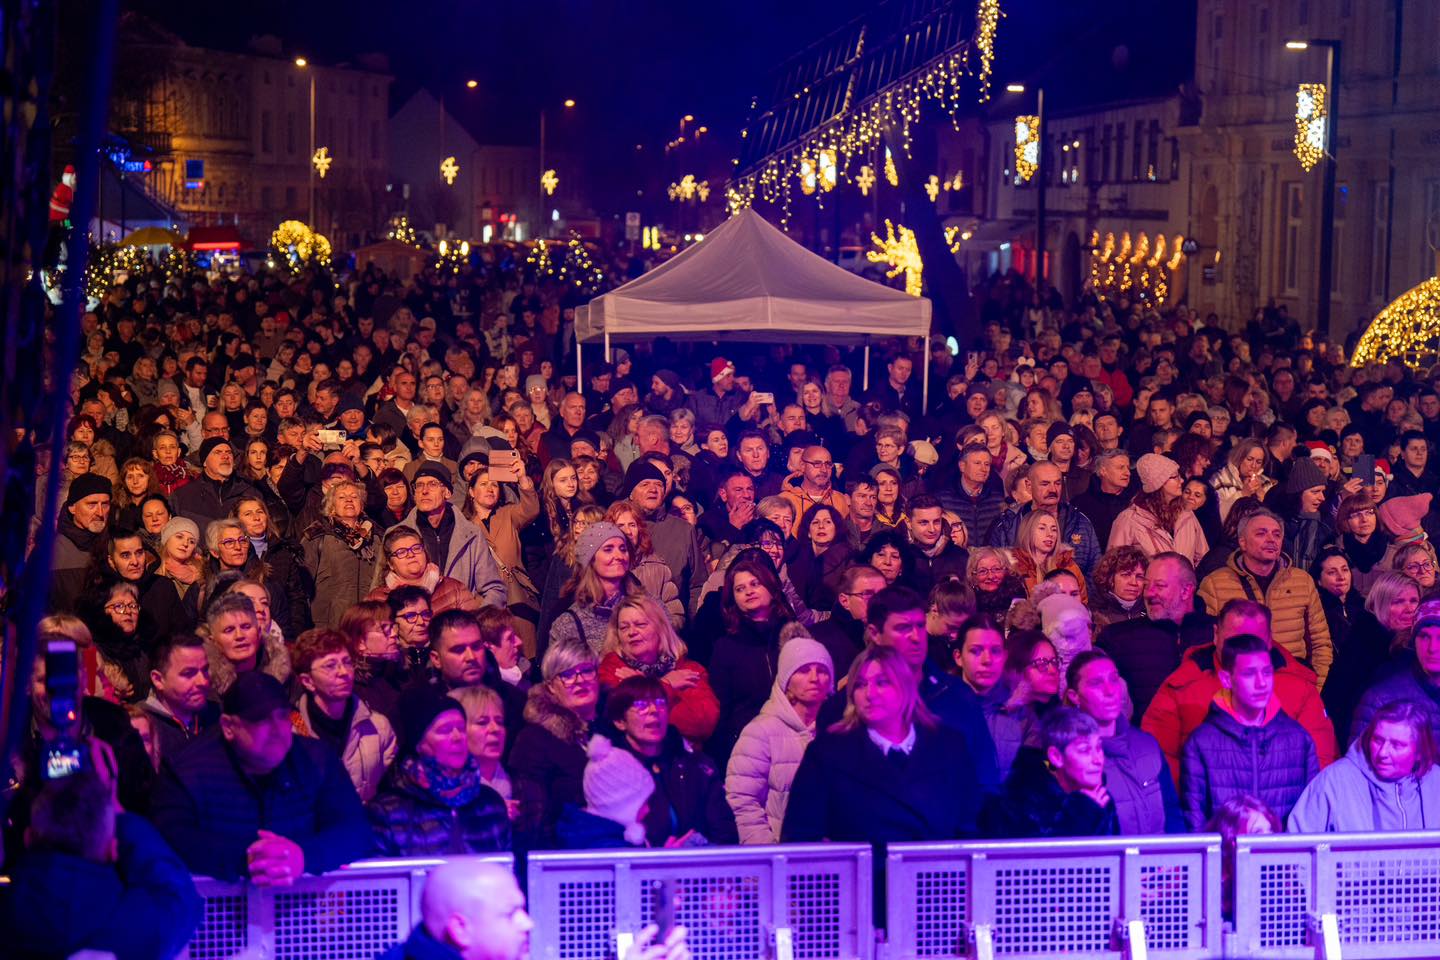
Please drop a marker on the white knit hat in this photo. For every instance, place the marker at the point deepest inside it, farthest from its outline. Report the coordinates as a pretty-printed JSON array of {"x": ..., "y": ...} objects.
[
  {"x": 798, "y": 651},
  {"x": 616, "y": 786}
]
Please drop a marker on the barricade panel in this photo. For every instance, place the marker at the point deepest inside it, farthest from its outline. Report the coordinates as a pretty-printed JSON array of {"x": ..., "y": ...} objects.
[{"x": 224, "y": 926}]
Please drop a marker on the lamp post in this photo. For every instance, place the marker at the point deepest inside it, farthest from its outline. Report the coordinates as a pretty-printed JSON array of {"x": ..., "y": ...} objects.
[
  {"x": 1041, "y": 171},
  {"x": 1327, "y": 201},
  {"x": 541, "y": 222},
  {"x": 302, "y": 63}
]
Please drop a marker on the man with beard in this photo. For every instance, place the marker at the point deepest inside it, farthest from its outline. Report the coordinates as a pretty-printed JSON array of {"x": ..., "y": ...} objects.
[
  {"x": 457, "y": 544},
  {"x": 217, "y": 491},
  {"x": 83, "y": 520}
]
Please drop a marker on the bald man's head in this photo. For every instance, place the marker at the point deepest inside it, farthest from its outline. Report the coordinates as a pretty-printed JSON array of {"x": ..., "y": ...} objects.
[{"x": 478, "y": 909}]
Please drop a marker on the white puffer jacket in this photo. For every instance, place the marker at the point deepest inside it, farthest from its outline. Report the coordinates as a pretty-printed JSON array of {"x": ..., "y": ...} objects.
[{"x": 763, "y": 763}]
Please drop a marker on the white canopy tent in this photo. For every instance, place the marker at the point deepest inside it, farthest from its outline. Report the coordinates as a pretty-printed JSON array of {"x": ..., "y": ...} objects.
[{"x": 748, "y": 281}]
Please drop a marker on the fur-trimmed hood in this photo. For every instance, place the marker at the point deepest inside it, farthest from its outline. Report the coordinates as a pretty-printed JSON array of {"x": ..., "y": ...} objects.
[
  {"x": 274, "y": 660},
  {"x": 543, "y": 710}
]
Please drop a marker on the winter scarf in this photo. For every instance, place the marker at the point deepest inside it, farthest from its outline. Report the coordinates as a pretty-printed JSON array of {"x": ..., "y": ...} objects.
[
  {"x": 455, "y": 791},
  {"x": 655, "y": 670},
  {"x": 170, "y": 478},
  {"x": 1364, "y": 556}
]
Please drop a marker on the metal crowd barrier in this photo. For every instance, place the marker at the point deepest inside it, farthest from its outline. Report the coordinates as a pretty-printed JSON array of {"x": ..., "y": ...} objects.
[
  {"x": 353, "y": 913},
  {"x": 1330, "y": 896},
  {"x": 800, "y": 902},
  {"x": 1089, "y": 899},
  {"x": 1351, "y": 895}
]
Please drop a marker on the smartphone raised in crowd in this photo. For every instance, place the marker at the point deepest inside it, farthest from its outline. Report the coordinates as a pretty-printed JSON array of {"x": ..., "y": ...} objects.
[
  {"x": 503, "y": 466},
  {"x": 665, "y": 907},
  {"x": 1365, "y": 468}
]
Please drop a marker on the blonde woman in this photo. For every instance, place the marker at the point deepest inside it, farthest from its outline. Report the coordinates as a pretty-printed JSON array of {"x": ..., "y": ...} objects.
[
  {"x": 646, "y": 566},
  {"x": 485, "y": 735},
  {"x": 340, "y": 553},
  {"x": 640, "y": 641},
  {"x": 1242, "y": 476},
  {"x": 1038, "y": 551}
]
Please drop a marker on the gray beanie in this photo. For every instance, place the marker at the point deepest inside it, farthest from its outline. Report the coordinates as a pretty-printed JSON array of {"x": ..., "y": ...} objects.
[
  {"x": 179, "y": 525},
  {"x": 593, "y": 539}
]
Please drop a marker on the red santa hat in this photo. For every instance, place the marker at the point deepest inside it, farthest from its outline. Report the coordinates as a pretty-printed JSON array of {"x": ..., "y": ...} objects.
[{"x": 720, "y": 368}]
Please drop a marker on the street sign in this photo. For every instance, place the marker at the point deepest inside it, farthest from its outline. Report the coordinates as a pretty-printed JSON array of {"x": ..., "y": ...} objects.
[{"x": 632, "y": 225}]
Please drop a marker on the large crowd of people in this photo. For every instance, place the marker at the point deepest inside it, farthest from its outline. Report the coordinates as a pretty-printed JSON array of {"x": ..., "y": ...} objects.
[{"x": 355, "y": 566}]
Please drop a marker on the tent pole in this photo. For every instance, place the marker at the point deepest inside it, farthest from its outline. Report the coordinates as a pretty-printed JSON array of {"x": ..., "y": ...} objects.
[
  {"x": 607, "y": 346},
  {"x": 579, "y": 373},
  {"x": 925, "y": 382},
  {"x": 865, "y": 376}
]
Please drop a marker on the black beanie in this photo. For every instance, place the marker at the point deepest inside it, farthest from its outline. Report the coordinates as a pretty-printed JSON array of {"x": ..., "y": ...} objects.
[
  {"x": 639, "y": 471},
  {"x": 88, "y": 485},
  {"x": 209, "y": 446},
  {"x": 418, "y": 708}
]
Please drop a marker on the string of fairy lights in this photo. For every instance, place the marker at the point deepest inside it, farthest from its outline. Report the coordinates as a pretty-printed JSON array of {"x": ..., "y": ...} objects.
[
  {"x": 1406, "y": 331},
  {"x": 842, "y": 150},
  {"x": 1311, "y": 115},
  {"x": 1138, "y": 268},
  {"x": 296, "y": 246}
]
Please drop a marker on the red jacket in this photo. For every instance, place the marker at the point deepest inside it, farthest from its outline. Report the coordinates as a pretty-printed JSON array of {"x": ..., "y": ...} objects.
[
  {"x": 694, "y": 711},
  {"x": 1184, "y": 699},
  {"x": 1119, "y": 385}
]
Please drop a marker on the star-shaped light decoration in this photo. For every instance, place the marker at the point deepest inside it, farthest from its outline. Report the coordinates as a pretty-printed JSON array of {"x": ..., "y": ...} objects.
[
  {"x": 549, "y": 180},
  {"x": 322, "y": 161},
  {"x": 865, "y": 180},
  {"x": 449, "y": 169}
]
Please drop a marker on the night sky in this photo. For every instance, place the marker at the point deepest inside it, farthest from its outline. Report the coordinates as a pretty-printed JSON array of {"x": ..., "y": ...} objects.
[{"x": 637, "y": 67}]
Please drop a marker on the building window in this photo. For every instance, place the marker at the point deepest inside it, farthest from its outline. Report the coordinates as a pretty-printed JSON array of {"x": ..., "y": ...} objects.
[
  {"x": 1152, "y": 151},
  {"x": 265, "y": 146},
  {"x": 1290, "y": 254},
  {"x": 1119, "y": 151},
  {"x": 1174, "y": 158},
  {"x": 1379, "y": 238},
  {"x": 267, "y": 199},
  {"x": 1428, "y": 224},
  {"x": 1105, "y": 141},
  {"x": 290, "y": 132},
  {"x": 1337, "y": 263},
  {"x": 1137, "y": 168},
  {"x": 290, "y": 200}
]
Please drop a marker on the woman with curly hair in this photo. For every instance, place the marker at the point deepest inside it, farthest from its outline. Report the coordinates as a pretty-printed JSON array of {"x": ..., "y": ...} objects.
[
  {"x": 340, "y": 553},
  {"x": 1157, "y": 520},
  {"x": 1120, "y": 584},
  {"x": 888, "y": 552}
]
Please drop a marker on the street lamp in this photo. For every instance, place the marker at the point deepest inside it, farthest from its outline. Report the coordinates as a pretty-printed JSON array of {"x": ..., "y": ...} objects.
[
  {"x": 540, "y": 220},
  {"x": 1327, "y": 201},
  {"x": 1040, "y": 173},
  {"x": 302, "y": 63}
]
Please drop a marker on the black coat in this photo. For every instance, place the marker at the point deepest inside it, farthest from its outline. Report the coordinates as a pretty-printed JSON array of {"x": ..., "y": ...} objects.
[
  {"x": 547, "y": 764},
  {"x": 410, "y": 820},
  {"x": 846, "y": 790},
  {"x": 842, "y": 636},
  {"x": 689, "y": 794},
  {"x": 204, "y": 500},
  {"x": 1032, "y": 804},
  {"x": 1359, "y": 657},
  {"x": 284, "y": 566},
  {"x": 742, "y": 673},
  {"x": 1147, "y": 651},
  {"x": 210, "y": 812}
]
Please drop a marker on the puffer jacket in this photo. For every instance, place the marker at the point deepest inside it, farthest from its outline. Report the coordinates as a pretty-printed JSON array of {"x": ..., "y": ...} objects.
[
  {"x": 1077, "y": 533},
  {"x": 1147, "y": 652},
  {"x": 469, "y": 559},
  {"x": 410, "y": 819},
  {"x": 762, "y": 768},
  {"x": 1297, "y": 618},
  {"x": 743, "y": 669},
  {"x": 446, "y": 593},
  {"x": 1140, "y": 528},
  {"x": 547, "y": 762},
  {"x": 978, "y": 513},
  {"x": 689, "y": 793},
  {"x": 369, "y": 746},
  {"x": 1401, "y": 680},
  {"x": 1224, "y": 758},
  {"x": 1138, "y": 780},
  {"x": 1347, "y": 797},
  {"x": 1183, "y": 702},
  {"x": 654, "y": 574},
  {"x": 341, "y": 575}
]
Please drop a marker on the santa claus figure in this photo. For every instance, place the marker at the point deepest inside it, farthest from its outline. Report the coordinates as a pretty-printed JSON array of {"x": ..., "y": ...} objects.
[{"x": 60, "y": 201}]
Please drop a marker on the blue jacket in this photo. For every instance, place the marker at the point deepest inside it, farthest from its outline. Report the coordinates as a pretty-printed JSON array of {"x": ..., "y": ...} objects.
[
  {"x": 1224, "y": 758},
  {"x": 961, "y": 709},
  {"x": 420, "y": 946},
  {"x": 211, "y": 812},
  {"x": 1347, "y": 797},
  {"x": 1402, "y": 681},
  {"x": 141, "y": 907}
]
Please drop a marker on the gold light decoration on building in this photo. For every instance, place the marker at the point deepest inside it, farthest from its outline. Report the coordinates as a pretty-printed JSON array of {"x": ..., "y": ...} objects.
[
  {"x": 932, "y": 188},
  {"x": 899, "y": 251},
  {"x": 865, "y": 180},
  {"x": 1407, "y": 331},
  {"x": 956, "y": 235},
  {"x": 453, "y": 256},
  {"x": 449, "y": 169},
  {"x": 322, "y": 161},
  {"x": 549, "y": 180},
  {"x": 825, "y": 170},
  {"x": 1311, "y": 114},
  {"x": 956, "y": 182},
  {"x": 1027, "y": 146},
  {"x": 892, "y": 176},
  {"x": 296, "y": 245},
  {"x": 860, "y": 127},
  {"x": 1135, "y": 268}
]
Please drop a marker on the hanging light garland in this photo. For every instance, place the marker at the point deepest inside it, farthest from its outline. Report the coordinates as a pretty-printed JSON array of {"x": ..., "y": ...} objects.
[
  {"x": 1137, "y": 268},
  {"x": 688, "y": 188},
  {"x": 932, "y": 188},
  {"x": 854, "y": 136},
  {"x": 1408, "y": 330},
  {"x": 865, "y": 180},
  {"x": 1027, "y": 146},
  {"x": 899, "y": 251},
  {"x": 453, "y": 256},
  {"x": 1311, "y": 115}
]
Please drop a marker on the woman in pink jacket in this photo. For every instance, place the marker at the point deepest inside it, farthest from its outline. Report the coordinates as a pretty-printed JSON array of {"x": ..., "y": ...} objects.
[{"x": 1157, "y": 520}]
